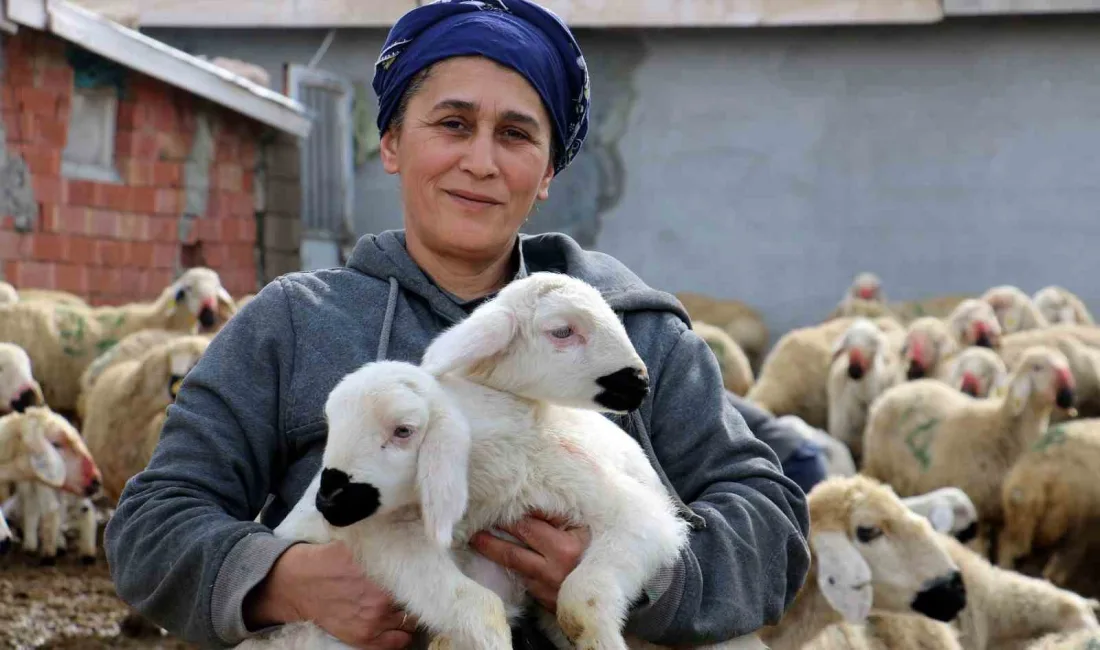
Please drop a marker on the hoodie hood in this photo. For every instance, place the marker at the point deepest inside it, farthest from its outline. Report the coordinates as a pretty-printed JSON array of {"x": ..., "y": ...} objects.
[{"x": 384, "y": 256}]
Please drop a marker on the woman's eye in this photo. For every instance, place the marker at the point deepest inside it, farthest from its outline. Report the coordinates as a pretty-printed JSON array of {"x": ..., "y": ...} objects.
[
  {"x": 562, "y": 332},
  {"x": 518, "y": 135}
]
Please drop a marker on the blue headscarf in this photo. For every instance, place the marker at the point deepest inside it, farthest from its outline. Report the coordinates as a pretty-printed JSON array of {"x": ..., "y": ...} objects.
[{"x": 517, "y": 33}]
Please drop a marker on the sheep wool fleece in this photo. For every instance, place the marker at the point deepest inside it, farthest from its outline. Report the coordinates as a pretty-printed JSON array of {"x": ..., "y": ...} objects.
[{"x": 184, "y": 547}]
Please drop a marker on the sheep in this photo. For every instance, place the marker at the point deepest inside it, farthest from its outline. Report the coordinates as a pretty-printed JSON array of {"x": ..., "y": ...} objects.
[
  {"x": 125, "y": 405},
  {"x": 949, "y": 511},
  {"x": 928, "y": 342},
  {"x": 26, "y": 454},
  {"x": 62, "y": 340},
  {"x": 864, "y": 297},
  {"x": 1059, "y": 305},
  {"x": 1084, "y": 639},
  {"x": 938, "y": 306},
  {"x": 18, "y": 387},
  {"x": 741, "y": 321},
  {"x": 838, "y": 458},
  {"x": 923, "y": 435},
  {"x": 793, "y": 378},
  {"x": 53, "y": 296},
  {"x": 129, "y": 347},
  {"x": 978, "y": 372},
  {"x": 866, "y": 362},
  {"x": 870, "y": 555},
  {"x": 1084, "y": 363},
  {"x": 1014, "y": 308},
  {"x": 732, "y": 361},
  {"x": 1049, "y": 493},
  {"x": 8, "y": 294},
  {"x": 43, "y": 507}
]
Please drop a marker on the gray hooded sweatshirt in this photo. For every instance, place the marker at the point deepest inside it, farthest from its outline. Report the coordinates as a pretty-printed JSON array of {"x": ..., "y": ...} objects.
[{"x": 183, "y": 546}]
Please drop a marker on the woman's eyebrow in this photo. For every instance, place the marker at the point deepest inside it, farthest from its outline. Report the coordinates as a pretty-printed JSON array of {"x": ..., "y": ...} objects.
[{"x": 510, "y": 115}]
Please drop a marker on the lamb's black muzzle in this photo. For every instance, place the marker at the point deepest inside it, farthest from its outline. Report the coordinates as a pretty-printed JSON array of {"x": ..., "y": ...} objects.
[
  {"x": 855, "y": 371},
  {"x": 206, "y": 317},
  {"x": 984, "y": 341},
  {"x": 916, "y": 371},
  {"x": 1064, "y": 398},
  {"x": 942, "y": 599},
  {"x": 623, "y": 390},
  {"x": 343, "y": 503},
  {"x": 26, "y": 399},
  {"x": 968, "y": 533}
]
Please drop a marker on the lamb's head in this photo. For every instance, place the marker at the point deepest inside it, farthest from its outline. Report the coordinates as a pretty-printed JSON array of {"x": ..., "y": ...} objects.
[
  {"x": 18, "y": 387},
  {"x": 928, "y": 341},
  {"x": 165, "y": 365},
  {"x": 976, "y": 371},
  {"x": 82, "y": 475},
  {"x": 8, "y": 294},
  {"x": 973, "y": 322},
  {"x": 200, "y": 290},
  {"x": 1042, "y": 377},
  {"x": 950, "y": 511},
  {"x": 395, "y": 440},
  {"x": 864, "y": 343},
  {"x": 27, "y": 455},
  {"x": 1014, "y": 309},
  {"x": 1059, "y": 306},
  {"x": 871, "y": 551},
  {"x": 866, "y": 286},
  {"x": 546, "y": 337}
]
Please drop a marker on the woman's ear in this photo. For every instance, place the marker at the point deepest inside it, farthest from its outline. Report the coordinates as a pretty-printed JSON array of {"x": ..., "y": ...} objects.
[
  {"x": 544, "y": 184},
  {"x": 388, "y": 152}
]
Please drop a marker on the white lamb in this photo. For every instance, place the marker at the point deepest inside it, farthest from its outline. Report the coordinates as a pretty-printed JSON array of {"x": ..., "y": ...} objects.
[
  {"x": 1060, "y": 305},
  {"x": 399, "y": 437},
  {"x": 979, "y": 372}
]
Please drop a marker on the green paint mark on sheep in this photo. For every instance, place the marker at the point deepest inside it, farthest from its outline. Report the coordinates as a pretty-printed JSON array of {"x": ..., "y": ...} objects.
[
  {"x": 1055, "y": 435},
  {"x": 104, "y": 345},
  {"x": 920, "y": 439},
  {"x": 1092, "y": 644},
  {"x": 70, "y": 328}
]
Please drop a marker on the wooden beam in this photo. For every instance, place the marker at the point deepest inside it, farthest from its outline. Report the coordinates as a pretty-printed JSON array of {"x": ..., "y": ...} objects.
[
  {"x": 31, "y": 13},
  {"x": 1001, "y": 7},
  {"x": 271, "y": 13}
]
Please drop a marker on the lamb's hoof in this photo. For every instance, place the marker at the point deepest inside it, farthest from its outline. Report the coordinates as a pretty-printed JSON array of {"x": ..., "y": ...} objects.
[
  {"x": 87, "y": 560},
  {"x": 5, "y": 546},
  {"x": 48, "y": 561}
]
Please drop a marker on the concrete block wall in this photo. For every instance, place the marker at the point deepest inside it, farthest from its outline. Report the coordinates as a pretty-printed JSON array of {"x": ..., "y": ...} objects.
[{"x": 116, "y": 242}]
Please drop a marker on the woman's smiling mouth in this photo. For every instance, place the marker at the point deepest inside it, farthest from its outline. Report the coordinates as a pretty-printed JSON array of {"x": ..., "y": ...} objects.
[{"x": 472, "y": 200}]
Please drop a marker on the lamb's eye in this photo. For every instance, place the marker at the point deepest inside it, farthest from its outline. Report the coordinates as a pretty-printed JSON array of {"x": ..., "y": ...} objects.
[
  {"x": 562, "y": 332},
  {"x": 402, "y": 432},
  {"x": 867, "y": 534}
]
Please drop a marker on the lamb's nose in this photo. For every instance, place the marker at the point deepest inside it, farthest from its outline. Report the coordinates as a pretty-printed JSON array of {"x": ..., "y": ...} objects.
[
  {"x": 343, "y": 503},
  {"x": 943, "y": 598},
  {"x": 624, "y": 389}
]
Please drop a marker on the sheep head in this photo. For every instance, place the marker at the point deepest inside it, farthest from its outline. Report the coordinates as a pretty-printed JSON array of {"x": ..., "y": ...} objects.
[
  {"x": 928, "y": 340},
  {"x": 82, "y": 476},
  {"x": 866, "y": 286},
  {"x": 864, "y": 343},
  {"x": 1042, "y": 376},
  {"x": 872, "y": 552},
  {"x": 976, "y": 371},
  {"x": 27, "y": 455},
  {"x": 1013, "y": 308},
  {"x": 395, "y": 440},
  {"x": 165, "y": 365},
  {"x": 200, "y": 291},
  {"x": 1059, "y": 306},
  {"x": 949, "y": 510},
  {"x": 973, "y": 322},
  {"x": 546, "y": 337},
  {"x": 18, "y": 387}
]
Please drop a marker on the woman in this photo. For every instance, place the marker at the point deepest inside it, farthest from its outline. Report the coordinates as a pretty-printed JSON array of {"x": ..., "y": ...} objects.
[{"x": 480, "y": 104}]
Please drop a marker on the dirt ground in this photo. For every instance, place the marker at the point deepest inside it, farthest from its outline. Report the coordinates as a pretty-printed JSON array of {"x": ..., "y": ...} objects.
[{"x": 67, "y": 606}]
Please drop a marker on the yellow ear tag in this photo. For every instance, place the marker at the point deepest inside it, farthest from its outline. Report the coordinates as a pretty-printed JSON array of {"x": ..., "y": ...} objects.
[
  {"x": 1011, "y": 322},
  {"x": 175, "y": 388}
]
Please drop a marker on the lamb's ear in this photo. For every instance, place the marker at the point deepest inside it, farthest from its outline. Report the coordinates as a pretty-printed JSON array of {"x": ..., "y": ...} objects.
[
  {"x": 441, "y": 472},
  {"x": 839, "y": 343},
  {"x": 229, "y": 306},
  {"x": 1018, "y": 393},
  {"x": 487, "y": 331},
  {"x": 843, "y": 576},
  {"x": 45, "y": 462},
  {"x": 942, "y": 518}
]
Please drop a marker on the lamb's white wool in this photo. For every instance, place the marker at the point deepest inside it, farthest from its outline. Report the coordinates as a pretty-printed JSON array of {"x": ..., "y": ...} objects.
[
  {"x": 865, "y": 363},
  {"x": 44, "y": 512},
  {"x": 8, "y": 294},
  {"x": 976, "y": 371},
  {"x": 18, "y": 387},
  {"x": 949, "y": 510}
]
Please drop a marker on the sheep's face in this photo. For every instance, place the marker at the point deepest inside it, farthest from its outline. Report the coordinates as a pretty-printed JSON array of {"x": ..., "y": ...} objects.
[
  {"x": 866, "y": 286},
  {"x": 18, "y": 388},
  {"x": 862, "y": 342},
  {"x": 927, "y": 341},
  {"x": 547, "y": 337},
  {"x": 26, "y": 454},
  {"x": 973, "y": 322},
  {"x": 1055, "y": 304},
  {"x": 872, "y": 552},
  {"x": 1042, "y": 376},
  {"x": 183, "y": 355},
  {"x": 82, "y": 476},
  {"x": 1009, "y": 305},
  {"x": 200, "y": 290},
  {"x": 976, "y": 372},
  {"x": 394, "y": 441}
]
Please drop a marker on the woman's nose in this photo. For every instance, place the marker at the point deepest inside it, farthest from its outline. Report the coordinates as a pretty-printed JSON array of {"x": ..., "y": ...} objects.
[{"x": 480, "y": 158}]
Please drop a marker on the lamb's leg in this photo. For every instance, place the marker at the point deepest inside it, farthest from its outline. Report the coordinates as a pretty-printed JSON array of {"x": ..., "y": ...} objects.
[
  {"x": 458, "y": 611},
  {"x": 32, "y": 516},
  {"x": 88, "y": 527},
  {"x": 595, "y": 597},
  {"x": 50, "y": 503}
]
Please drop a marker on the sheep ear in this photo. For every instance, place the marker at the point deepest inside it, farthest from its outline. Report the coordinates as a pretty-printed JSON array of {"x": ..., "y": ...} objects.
[
  {"x": 441, "y": 472},
  {"x": 45, "y": 462},
  {"x": 487, "y": 332},
  {"x": 843, "y": 576},
  {"x": 226, "y": 300},
  {"x": 942, "y": 518}
]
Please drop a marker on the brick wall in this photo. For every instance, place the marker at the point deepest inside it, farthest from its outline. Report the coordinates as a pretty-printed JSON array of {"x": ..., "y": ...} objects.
[{"x": 119, "y": 242}]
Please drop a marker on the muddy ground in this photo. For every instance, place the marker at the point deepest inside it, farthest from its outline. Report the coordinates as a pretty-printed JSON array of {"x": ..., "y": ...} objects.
[{"x": 67, "y": 606}]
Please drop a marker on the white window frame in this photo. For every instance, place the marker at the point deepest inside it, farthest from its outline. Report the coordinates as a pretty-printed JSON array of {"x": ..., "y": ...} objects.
[{"x": 104, "y": 171}]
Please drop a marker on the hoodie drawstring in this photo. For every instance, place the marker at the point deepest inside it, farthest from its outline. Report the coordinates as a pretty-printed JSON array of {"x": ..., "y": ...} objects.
[{"x": 387, "y": 322}]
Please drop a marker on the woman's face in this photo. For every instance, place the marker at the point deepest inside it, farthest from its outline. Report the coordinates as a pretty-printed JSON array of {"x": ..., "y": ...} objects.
[{"x": 473, "y": 153}]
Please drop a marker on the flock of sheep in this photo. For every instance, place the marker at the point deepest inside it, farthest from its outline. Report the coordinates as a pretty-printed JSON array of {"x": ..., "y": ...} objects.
[
  {"x": 982, "y": 413},
  {"x": 83, "y": 394}
]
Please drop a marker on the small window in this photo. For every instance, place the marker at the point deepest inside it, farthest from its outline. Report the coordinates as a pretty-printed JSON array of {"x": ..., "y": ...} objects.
[{"x": 90, "y": 147}]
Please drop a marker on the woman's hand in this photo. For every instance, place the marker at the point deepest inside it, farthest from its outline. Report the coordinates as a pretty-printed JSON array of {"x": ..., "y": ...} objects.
[
  {"x": 322, "y": 583},
  {"x": 555, "y": 551}
]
